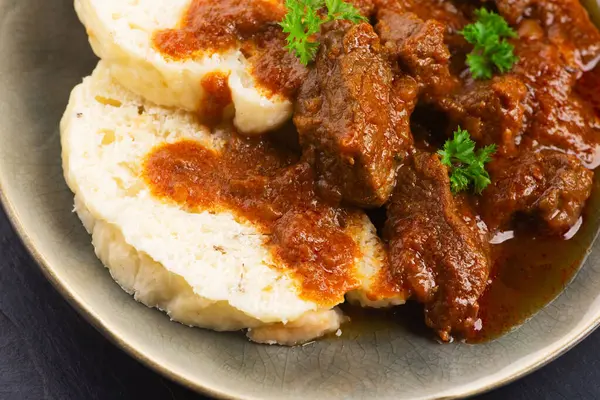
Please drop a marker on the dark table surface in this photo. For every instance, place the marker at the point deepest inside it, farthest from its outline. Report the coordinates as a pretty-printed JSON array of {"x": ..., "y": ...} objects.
[{"x": 47, "y": 351}]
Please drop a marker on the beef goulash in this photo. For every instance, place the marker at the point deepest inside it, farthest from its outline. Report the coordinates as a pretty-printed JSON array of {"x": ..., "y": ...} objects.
[
  {"x": 435, "y": 246},
  {"x": 469, "y": 130},
  {"x": 344, "y": 116}
]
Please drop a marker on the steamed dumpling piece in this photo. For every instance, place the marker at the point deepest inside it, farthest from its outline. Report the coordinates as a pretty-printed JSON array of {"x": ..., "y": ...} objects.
[
  {"x": 204, "y": 268},
  {"x": 122, "y": 33}
]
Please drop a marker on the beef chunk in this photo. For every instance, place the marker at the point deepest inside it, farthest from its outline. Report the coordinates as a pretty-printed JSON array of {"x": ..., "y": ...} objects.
[
  {"x": 559, "y": 118},
  {"x": 273, "y": 66},
  {"x": 366, "y": 7},
  {"x": 436, "y": 250},
  {"x": 566, "y": 22},
  {"x": 403, "y": 98},
  {"x": 493, "y": 111},
  {"x": 419, "y": 48},
  {"x": 532, "y": 106},
  {"x": 452, "y": 14},
  {"x": 549, "y": 185},
  {"x": 546, "y": 68},
  {"x": 572, "y": 125},
  {"x": 345, "y": 118}
]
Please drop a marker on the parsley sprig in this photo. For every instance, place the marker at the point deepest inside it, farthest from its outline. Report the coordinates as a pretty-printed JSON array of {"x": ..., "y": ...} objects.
[
  {"x": 488, "y": 34},
  {"x": 467, "y": 166},
  {"x": 303, "y": 21}
]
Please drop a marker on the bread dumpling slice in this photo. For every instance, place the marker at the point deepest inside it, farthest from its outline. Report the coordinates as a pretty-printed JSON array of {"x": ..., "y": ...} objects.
[
  {"x": 207, "y": 267},
  {"x": 152, "y": 51}
]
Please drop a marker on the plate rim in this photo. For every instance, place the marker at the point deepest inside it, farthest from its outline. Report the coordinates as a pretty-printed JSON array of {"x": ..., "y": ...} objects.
[{"x": 204, "y": 387}]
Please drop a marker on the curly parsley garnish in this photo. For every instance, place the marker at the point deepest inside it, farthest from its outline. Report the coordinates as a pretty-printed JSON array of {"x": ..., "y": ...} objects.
[
  {"x": 467, "y": 166},
  {"x": 489, "y": 35},
  {"x": 303, "y": 21}
]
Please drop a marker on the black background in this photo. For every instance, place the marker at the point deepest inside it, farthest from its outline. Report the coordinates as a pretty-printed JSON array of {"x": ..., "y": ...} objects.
[{"x": 47, "y": 351}]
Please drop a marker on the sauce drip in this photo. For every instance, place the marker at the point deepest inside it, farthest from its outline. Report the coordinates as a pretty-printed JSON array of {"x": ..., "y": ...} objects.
[
  {"x": 211, "y": 26},
  {"x": 273, "y": 66},
  {"x": 261, "y": 184},
  {"x": 218, "y": 97}
]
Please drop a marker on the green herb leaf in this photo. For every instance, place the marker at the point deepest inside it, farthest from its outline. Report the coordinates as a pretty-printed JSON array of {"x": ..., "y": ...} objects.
[
  {"x": 303, "y": 21},
  {"x": 502, "y": 56},
  {"x": 338, "y": 9},
  {"x": 480, "y": 66},
  {"x": 459, "y": 181},
  {"x": 466, "y": 166},
  {"x": 491, "y": 49},
  {"x": 495, "y": 23}
]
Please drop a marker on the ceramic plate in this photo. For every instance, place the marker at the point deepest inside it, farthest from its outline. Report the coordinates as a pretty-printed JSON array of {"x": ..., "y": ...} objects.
[{"x": 44, "y": 54}]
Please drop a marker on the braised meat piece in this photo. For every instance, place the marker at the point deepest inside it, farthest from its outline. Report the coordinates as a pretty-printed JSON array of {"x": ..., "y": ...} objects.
[
  {"x": 366, "y": 7},
  {"x": 435, "y": 248},
  {"x": 345, "y": 118},
  {"x": 418, "y": 47},
  {"x": 565, "y": 21},
  {"x": 573, "y": 126},
  {"x": 548, "y": 185},
  {"x": 452, "y": 14},
  {"x": 559, "y": 119},
  {"x": 403, "y": 99},
  {"x": 532, "y": 106},
  {"x": 493, "y": 111},
  {"x": 273, "y": 66},
  {"x": 547, "y": 69}
]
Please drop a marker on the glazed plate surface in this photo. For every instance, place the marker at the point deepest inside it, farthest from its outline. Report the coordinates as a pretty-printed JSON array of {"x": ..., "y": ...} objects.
[{"x": 44, "y": 54}]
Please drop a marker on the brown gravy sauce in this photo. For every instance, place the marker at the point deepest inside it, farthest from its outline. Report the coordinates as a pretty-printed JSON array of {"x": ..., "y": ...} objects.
[
  {"x": 588, "y": 87},
  {"x": 266, "y": 186},
  {"x": 211, "y": 26},
  {"x": 530, "y": 271},
  {"x": 263, "y": 182}
]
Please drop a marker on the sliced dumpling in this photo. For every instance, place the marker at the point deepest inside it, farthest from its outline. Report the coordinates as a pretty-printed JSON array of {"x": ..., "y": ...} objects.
[
  {"x": 182, "y": 53},
  {"x": 189, "y": 247}
]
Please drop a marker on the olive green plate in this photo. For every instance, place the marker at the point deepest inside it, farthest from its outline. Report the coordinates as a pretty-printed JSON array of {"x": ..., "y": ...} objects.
[{"x": 44, "y": 54}]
